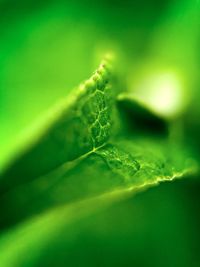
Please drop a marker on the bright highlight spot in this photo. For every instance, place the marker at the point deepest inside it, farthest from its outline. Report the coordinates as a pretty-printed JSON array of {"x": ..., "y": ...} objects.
[{"x": 162, "y": 92}]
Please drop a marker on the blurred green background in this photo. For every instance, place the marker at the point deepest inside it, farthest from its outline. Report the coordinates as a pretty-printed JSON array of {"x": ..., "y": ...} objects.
[{"x": 48, "y": 47}]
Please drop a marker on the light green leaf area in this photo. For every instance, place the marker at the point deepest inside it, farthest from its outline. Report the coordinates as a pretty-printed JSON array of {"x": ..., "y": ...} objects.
[
  {"x": 79, "y": 124},
  {"x": 82, "y": 157}
]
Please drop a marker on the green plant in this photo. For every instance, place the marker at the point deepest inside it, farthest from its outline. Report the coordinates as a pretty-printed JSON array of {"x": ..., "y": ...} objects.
[{"x": 69, "y": 188}]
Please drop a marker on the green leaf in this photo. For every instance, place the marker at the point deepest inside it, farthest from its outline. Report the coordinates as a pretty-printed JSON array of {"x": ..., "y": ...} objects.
[
  {"x": 78, "y": 125},
  {"x": 82, "y": 157},
  {"x": 78, "y": 235}
]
